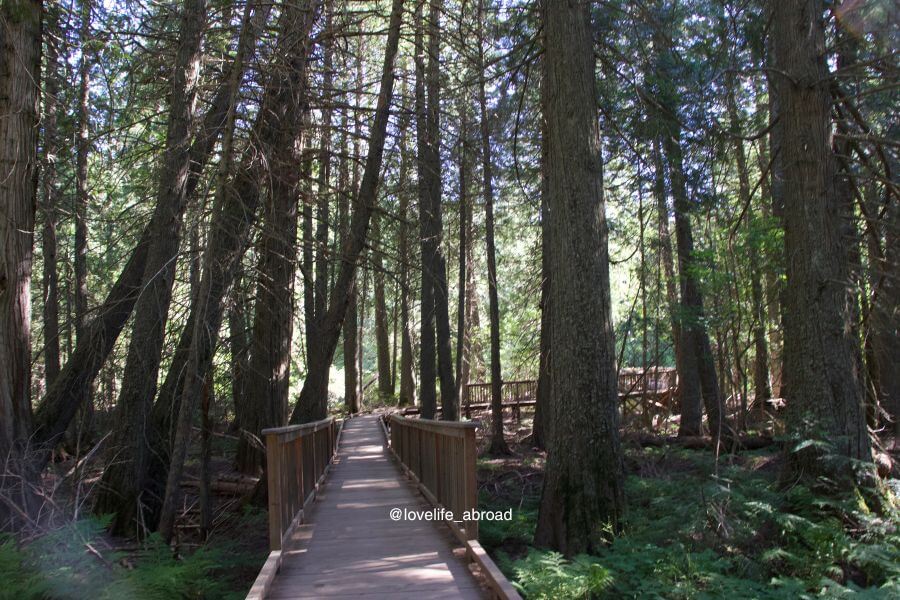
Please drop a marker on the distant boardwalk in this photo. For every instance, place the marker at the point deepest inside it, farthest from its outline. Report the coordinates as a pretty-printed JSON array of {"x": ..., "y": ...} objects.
[{"x": 350, "y": 547}]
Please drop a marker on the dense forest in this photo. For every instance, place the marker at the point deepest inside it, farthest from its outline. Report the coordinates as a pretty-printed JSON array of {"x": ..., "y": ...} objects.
[{"x": 651, "y": 248}]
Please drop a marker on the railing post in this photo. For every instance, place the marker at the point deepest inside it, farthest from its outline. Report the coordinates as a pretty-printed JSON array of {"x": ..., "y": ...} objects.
[
  {"x": 303, "y": 470},
  {"x": 468, "y": 400},
  {"x": 273, "y": 479},
  {"x": 438, "y": 483},
  {"x": 471, "y": 480}
]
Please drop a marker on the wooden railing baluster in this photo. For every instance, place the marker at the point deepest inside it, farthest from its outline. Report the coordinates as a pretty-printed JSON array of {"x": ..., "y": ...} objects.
[
  {"x": 297, "y": 458},
  {"x": 441, "y": 456}
]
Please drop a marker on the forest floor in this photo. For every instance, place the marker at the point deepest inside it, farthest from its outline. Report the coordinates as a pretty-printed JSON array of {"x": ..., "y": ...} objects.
[
  {"x": 73, "y": 556},
  {"x": 698, "y": 526}
]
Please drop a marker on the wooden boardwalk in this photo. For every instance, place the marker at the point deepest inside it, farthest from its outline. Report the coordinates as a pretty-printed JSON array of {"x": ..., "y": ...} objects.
[{"x": 349, "y": 546}]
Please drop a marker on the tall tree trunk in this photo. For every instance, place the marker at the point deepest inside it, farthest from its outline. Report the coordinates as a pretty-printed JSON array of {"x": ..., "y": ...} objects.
[
  {"x": 82, "y": 206},
  {"x": 351, "y": 322},
  {"x": 435, "y": 307},
  {"x": 124, "y": 480},
  {"x": 761, "y": 390},
  {"x": 824, "y": 393},
  {"x": 50, "y": 202},
  {"x": 312, "y": 402},
  {"x": 407, "y": 363},
  {"x": 270, "y": 354},
  {"x": 698, "y": 358},
  {"x": 83, "y": 147},
  {"x": 667, "y": 259},
  {"x": 280, "y": 140},
  {"x": 427, "y": 342},
  {"x": 884, "y": 318},
  {"x": 233, "y": 214},
  {"x": 73, "y": 386},
  {"x": 697, "y": 374},
  {"x": 583, "y": 488},
  {"x": 324, "y": 195},
  {"x": 20, "y": 71},
  {"x": 498, "y": 443},
  {"x": 239, "y": 346},
  {"x": 449, "y": 407},
  {"x": 465, "y": 241},
  {"x": 543, "y": 412},
  {"x": 353, "y": 331},
  {"x": 382, "y": 338}
]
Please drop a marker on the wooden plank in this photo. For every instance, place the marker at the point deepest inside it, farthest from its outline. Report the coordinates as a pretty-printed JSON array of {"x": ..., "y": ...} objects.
[
  {"x": 273, "y": 479},
  {"x": 304, "y": 428},
  {"x": 266, "y": 576},
  {"x": 498, "y": 581},
  {"x": 471, "y": 484}
]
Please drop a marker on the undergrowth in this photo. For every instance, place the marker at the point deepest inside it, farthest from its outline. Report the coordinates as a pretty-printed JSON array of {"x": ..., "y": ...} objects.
[
  {"x": 692, "y": 535},
  {"x": 74, "y": 562}
]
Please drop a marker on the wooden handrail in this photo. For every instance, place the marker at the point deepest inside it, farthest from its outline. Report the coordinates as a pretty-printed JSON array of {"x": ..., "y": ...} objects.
[
  {"x": 297, "y": 459},
  {"x": 523, "y": 392},
  {"x": 441, "y": 456}
]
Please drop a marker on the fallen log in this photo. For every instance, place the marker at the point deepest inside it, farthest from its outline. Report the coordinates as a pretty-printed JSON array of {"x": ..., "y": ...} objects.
[
  {"x": 234, "y": 488},
  {"x": 699, "y": 442}
]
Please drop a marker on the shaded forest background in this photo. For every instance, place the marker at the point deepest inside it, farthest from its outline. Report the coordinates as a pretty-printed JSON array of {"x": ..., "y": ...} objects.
[{"x": 224, "y": 216}]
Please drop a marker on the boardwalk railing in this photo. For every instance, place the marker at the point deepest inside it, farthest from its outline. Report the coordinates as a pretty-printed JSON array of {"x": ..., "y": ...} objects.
[
  {"x": 512, "y": 393},
  {"x": 297, "y": 459},
  {"x": 440, "y": 456},
  {"x": 649, "y": 381}
]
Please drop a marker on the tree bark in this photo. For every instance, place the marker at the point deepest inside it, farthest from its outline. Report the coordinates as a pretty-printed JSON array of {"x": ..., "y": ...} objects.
[
  {"x": 320, "y": 295},
  {"x": 824, "y": 393},
  {"x": 668, "y": 264},
  {"x": 884, "y": 318},
  {"x": 20, "y": 69},
  {"x": 435, "y": 298},
  {"x": 234, "y": 212},
  {"x": 583, "y": 487},
  {"x": 239, "y": 345}
]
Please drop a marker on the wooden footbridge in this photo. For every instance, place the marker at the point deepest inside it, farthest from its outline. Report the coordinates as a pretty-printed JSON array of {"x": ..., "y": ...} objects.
[
  {"x": 332, "y": 533},
  {"x": 636, "y": 387}
]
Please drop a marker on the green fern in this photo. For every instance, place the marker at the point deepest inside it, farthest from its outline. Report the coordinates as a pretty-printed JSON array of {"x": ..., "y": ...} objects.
[{"x": 548, "y": 575}]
